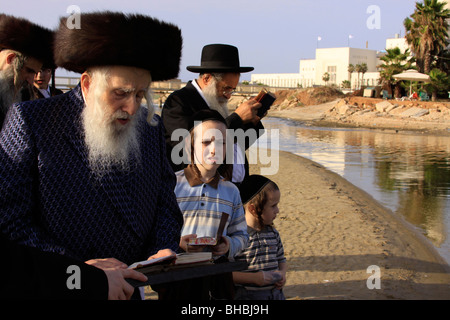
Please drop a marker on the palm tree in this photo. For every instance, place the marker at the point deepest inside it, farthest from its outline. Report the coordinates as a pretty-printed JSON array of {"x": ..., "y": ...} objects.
[
  {"x": 426, "y": 32},
  {"x": 350, "y": 69},
  {"x": 439, "y": 83},
  {"x": 363, "y": 69},
  {"x": 358, "y": 69},
  {"x": 394, "y": 62}
]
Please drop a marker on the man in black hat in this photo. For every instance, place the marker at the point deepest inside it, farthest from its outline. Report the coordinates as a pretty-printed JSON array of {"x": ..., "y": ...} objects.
[
  {"x": 85, "y": 173},
  {"x": 24, "y": 47},
  {"x": 219, "y": 75}
]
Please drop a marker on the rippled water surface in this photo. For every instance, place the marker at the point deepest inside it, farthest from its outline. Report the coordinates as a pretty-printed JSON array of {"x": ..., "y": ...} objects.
[{"x": 406, "y": 172}]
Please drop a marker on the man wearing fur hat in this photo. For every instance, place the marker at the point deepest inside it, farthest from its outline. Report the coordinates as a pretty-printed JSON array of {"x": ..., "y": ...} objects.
[
  {"x": 219, "y": 74},
  {"x": 85, "y": 173},
  {"x": 24, "y": 47}
]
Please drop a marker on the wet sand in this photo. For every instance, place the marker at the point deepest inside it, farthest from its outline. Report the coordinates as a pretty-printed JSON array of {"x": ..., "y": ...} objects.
[{"x": 333, "y": 232}]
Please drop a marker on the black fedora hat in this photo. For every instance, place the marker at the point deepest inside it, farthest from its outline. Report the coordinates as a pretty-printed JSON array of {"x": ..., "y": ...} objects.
[{"x": 219, "y": 58}]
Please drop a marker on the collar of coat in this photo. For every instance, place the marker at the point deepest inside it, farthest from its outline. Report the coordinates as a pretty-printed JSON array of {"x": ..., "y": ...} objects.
[{"x": 193, "y": 175}]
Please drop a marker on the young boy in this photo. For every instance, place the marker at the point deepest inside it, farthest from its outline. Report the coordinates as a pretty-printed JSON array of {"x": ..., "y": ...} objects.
[
  {"x": 266, "y": 273},
  {"x": 203, "y": 195}
]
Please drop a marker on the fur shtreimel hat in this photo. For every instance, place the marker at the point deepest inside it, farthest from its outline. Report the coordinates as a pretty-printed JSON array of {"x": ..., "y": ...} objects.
[
  {"x": 112, "y": 38},
  {"x": 21, "y": 35}
]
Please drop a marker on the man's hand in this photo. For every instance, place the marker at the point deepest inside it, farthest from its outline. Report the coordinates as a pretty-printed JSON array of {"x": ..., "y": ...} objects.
[
  {"x": 247, "y": 111},
  {"x": 116, "y": 272},
  {"x": 119, "y": 288},
  {"x": 163, "y": 253},
  {"x": 107, "y": 263}
]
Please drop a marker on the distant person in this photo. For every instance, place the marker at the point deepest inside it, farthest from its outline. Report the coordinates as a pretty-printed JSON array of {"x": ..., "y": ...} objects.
[
  {"x": 41, "y": 87},
  {"x": 24, "y": 47},
  {"x": 219, "y": 75},
  {"x": 85, "y": 173},
  {"x": 266, "y": 274}
]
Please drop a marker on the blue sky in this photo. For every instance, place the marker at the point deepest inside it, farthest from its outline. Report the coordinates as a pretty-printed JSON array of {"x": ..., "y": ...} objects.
[{"x": 272, "y": 35}]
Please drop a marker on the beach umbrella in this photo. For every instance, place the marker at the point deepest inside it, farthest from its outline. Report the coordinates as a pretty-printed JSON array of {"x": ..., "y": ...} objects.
[{"x": 412, "y": 75}]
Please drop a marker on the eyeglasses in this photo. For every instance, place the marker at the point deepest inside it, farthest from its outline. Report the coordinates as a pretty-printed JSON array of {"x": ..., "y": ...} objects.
[{"x": 229, "y": 91}]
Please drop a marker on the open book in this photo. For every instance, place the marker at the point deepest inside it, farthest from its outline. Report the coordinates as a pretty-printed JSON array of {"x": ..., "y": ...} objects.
[{"x": 181, "y": 259}]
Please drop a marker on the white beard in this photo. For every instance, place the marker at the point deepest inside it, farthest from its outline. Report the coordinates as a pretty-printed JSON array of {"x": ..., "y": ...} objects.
[
  {"x": 214, "y": 102},
  {"x": 110, "y": 144}
]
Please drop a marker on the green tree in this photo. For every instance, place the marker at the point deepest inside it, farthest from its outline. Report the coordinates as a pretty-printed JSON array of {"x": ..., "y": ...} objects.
[
  {"x": 439, "y": 83},
  {"x": 358, "y": 70},
  {"x": 350, "y": 69},
  {"x": 362, "y": 69},
  {"x": 394, "y": 61},
  {"x": 427, "y": 32},
  {"x": 326, "y": 77},
  {"x": 346, "y": 84}
]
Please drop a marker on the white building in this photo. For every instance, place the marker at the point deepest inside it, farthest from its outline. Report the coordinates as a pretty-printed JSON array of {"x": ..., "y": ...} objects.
[
  {"x": 397, "y": 42},
  {"x": 286, "y": 80},
  {"x": 335, "y": 62}
]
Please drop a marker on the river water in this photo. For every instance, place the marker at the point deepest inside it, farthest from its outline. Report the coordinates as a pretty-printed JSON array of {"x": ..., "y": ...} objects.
[{"x": 407, "y": 172}]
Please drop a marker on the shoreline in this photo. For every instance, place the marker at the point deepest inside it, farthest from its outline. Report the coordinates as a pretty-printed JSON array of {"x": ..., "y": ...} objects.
[
  {"x": 340, "y": 114},
  {"x": 332, "y": 232}
]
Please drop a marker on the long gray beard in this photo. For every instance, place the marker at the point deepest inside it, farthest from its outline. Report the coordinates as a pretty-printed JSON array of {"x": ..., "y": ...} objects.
[
  {"x": 109, "y": 147},
  {"x": 215, "y": 103}
]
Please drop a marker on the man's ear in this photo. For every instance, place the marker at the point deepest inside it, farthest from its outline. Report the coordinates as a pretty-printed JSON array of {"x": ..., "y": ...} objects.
[
  {"x": 10, "y": 57},
  {"x": 204, "y": 80},
  {"x": 85, "y": 82}
]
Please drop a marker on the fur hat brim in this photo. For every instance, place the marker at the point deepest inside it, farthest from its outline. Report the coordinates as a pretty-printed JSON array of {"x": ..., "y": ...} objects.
[
  {"x": 110, "y": 38},
  {"x": 26, "y": 37}
]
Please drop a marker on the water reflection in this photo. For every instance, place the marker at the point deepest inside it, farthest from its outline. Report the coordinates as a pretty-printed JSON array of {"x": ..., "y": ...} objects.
[{"x": 407, "y": 172}]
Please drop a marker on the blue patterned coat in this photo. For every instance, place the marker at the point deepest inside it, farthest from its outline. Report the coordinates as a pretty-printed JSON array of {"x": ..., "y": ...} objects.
[{"x": 50, "y": 199}]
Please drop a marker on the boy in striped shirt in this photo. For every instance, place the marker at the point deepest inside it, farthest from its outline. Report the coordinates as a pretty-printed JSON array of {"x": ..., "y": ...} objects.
[
  {"x": 266, "y": 273},
  {"x": 203, "y": 194}
]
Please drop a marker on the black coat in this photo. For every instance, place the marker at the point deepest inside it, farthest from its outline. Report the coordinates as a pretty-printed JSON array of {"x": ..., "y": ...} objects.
[
  {"x": 28, "y": 273},
  {"x": 181, "y": 105}
]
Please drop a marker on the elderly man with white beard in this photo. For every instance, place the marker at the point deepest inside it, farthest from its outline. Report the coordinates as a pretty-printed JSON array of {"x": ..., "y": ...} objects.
[
  {"x": 24, "y": 47},
  {"x": 219, "y": 74},
  {"x": 85, "y": 174}
]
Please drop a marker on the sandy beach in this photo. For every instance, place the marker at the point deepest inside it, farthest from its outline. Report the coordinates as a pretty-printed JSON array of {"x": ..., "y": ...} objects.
[{"x": 332, "y": 232}]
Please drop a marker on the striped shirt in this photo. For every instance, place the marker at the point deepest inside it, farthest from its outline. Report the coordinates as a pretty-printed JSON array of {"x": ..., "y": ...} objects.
[
  {"x": 202, "y": 205},
  {"x": 264, "y": 252}
]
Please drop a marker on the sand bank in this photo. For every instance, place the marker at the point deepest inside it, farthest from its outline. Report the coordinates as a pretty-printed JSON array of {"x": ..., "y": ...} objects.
[
  {"x": 373, "y": 113},
  {"x": 332, "y": 232}
]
